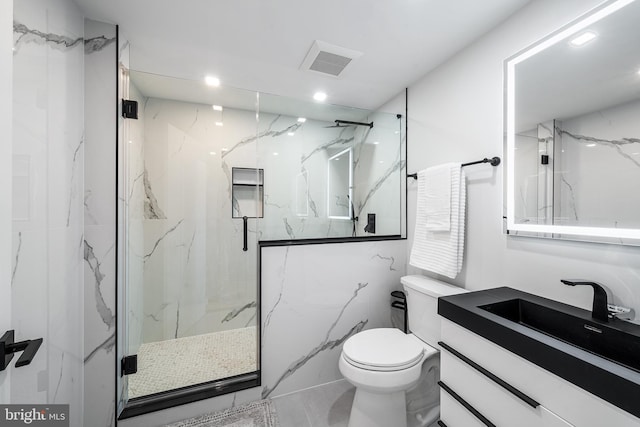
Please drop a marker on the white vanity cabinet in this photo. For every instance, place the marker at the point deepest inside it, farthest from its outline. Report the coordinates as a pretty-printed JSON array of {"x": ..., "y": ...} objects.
[{"x": 486, "y": 385}]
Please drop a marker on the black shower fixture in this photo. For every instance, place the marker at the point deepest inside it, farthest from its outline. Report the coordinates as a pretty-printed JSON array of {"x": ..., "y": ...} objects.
[{"x": 347, "y": 123}]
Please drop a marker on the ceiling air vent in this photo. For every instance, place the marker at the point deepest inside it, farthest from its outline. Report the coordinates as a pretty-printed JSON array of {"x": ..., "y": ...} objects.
[{"x": 328, "y": 59}]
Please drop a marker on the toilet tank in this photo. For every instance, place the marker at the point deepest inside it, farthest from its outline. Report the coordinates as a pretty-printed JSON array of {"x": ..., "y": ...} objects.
[{"x": 422, "y": 304}]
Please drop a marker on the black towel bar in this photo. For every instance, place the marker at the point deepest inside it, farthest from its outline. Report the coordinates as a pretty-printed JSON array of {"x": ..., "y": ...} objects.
[{"x": 495, "y": 161}]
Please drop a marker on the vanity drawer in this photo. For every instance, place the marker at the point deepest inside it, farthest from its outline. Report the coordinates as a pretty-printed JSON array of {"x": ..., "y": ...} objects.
[
  {"x": 502, "y": 407},
  {"x": 568, "y": 401},
  {"x": 453, "y": 414}
]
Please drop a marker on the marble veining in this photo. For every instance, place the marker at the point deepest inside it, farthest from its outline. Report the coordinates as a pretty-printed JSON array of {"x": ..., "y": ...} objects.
[
  {"x": 266, "y": 133},
  {"x": 133, "y": 184},
  {"x": 155, "y": 316},
  {"x": 193, "y": 238},
  {"x": 107, "y": 345},
  {"x": 615, "y": 143},
  {"x": 155, "y": 246},
  {"x": 235, "y": 312},
  {"x": 175, "y": 335},
  {"x": 572, "y": 194},
  {"x": 267, "y": 319},
  {"x": 55, "y": 393},
  {"x": 28, "y": 35},
  {"x": 288, "y": 228},
  {"x": 16, "y": 259},
  {"x": 96, "y": 44},
  {"x": 397, "y": 165},
  {"x": 151, "y": 208},
  {"x": 339, "y": 140},
  {"x": 326, "y": 343},
  {"x": 72, "y": 187},
  {"x": 386, "y": 258},
  {"x": 94, "y": 264}
]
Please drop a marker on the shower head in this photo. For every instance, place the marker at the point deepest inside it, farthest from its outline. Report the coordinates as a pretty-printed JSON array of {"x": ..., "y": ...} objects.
[{"x": 347, "y": 123}]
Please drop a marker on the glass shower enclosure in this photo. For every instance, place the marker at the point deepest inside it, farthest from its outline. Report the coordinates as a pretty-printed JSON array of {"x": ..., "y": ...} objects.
[
  {"x": 208, "y": 173},
  {"x": 192, "y": 193}
]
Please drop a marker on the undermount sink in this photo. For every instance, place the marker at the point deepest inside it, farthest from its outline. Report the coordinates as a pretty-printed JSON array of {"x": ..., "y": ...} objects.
[{"x": 617, "y": 340}]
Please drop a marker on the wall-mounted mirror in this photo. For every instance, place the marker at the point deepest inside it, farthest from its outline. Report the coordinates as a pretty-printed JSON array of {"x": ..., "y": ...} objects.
[{"x": 572, "y": 131}]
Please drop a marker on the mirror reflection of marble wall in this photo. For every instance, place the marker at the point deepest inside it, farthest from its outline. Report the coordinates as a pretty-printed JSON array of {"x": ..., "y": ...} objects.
[
  {"x": 598, "y": 168},
  {"x": 577, "y": 106}
]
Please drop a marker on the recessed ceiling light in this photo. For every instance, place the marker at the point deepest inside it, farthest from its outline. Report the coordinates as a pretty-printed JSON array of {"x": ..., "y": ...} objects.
[
  {"x": 591, "y": 145},
  {"x": 217, "y": 108},
  {"x": 219, "y": 124},
  {"x": 212, "y": 81},
  {"x": 320, "y": 96},
  {"x": 376, "y": 142},
  {"x": 301, "y": 119},
  {"x": 213, "y": 153},
  {"x": 583, "y": 39},
  {"x": 130, "y": 142},
  {"x": 275, "y": 154},
  {"x": 381, "y": 161},
  {"x": 225, "y": 149},
  {"x": 291, "y": 133}
]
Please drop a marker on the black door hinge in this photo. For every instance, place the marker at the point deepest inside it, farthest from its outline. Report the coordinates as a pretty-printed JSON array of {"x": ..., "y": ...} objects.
[
  {"x": 129, "y": 365},
  {"x": 129, "y": 109}
]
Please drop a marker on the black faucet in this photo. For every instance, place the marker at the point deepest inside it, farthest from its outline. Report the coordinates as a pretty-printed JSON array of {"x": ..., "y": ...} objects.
[{"x": 600, "y": 309}]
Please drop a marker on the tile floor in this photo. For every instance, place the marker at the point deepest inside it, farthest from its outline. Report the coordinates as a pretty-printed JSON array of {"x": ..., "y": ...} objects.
[{"x": 327, "y": 405}]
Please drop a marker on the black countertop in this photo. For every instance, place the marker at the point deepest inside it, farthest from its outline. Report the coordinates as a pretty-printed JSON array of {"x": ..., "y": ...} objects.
[{"x": 611, "y": 381}]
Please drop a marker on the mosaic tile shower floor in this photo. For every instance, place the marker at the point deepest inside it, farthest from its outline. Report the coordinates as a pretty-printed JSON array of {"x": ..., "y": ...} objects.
[{"x": 181, "y": 362}]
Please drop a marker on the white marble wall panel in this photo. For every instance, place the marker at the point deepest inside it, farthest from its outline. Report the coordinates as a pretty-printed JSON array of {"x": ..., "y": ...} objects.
[
  {"x": 6, "y": 160},
  {"x": 316, "y": 296},
  {"x": 590, "y": 147},
  {"x": 196, "y": 278},
  {"x": 99, "y": 249},
  {"x": 379, "y": 168},
  {"x": 48, "y": 153}
]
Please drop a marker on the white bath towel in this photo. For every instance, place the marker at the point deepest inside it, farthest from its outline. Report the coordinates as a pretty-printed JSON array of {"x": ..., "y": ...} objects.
[
  {"x": 434, "y": 186},
  {"x": 441, "y": 251}
]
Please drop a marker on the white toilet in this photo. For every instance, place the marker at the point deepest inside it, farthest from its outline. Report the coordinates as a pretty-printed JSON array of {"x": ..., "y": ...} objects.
[{"x": 384, "y": 363}]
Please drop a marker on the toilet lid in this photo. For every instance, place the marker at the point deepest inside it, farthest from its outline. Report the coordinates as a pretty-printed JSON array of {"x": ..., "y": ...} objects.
[{"x": 385, "y": 349}]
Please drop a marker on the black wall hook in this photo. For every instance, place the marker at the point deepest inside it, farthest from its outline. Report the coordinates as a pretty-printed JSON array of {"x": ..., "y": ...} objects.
[{"x": 8, "y": 347}]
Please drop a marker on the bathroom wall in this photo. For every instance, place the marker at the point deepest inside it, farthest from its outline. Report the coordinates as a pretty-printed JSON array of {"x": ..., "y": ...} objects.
[
  {"x": 456, "y": 113},
  {"x": 314, "y": 297},
  {"x": 47, "y": 206},
  {"x": 589, "y": 148},
  {"x": 100, "y": 223},
  {"x": 300, "y": 168},
  {"x": 6, "y": 145}
]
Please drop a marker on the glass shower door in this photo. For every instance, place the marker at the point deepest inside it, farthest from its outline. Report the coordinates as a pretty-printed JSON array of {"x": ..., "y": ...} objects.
[{"x": 193, "y": 196}]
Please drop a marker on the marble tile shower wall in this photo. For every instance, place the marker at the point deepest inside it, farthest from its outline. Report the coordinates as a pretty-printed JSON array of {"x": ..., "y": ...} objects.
[
  {"x": 48, "y": 153},
  {"x": 184, "y": 247},
  {"x": 589, "y": 194},
  {"x": 100, "y": 224},
  {"x": 379, "y": 170},
  {"x": 314, "y": 297},
  {"x": 180, "y": 202},
  {"x": 296, "y": 168}
]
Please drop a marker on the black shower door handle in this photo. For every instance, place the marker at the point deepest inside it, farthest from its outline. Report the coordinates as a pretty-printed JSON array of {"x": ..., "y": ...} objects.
[{"x": 244, "y": 227}]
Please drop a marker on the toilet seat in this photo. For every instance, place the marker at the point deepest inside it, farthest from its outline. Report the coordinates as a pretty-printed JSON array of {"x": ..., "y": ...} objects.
[{"x": 384, "y": 349}]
